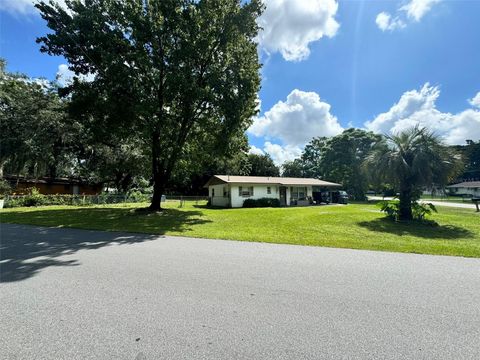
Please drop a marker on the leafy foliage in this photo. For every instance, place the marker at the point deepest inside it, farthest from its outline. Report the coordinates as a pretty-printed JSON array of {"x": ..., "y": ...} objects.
[
  {"x": 262, "y": 202},
  {"x": 338, "y": 158},
  {"x": 262, "y": 165},
  {"x": 419, "y": 210},
  {"x": 34, "y": 198},
  {"x": 178, "y": 75},
  {"x": 471, "y": 156},
  {"x": 5, "y": 188},
  {"x": 411, "y": 160},
  {"x": 294, "y": 168},
  {"x": 37, "y": 136}
]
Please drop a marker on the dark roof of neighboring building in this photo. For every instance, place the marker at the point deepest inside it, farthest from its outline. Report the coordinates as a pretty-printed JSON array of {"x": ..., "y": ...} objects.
[
  {"x": 45, "y": 180},
  {"x": 234, "y": 179}
]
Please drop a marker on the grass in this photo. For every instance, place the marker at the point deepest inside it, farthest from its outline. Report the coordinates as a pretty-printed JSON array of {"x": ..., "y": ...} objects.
[
  {"x": 356, "y": 226},
  {"x": 452, "y": 199}
]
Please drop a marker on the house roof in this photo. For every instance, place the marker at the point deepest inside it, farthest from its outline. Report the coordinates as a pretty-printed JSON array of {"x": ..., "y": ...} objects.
[
  {"x": 46, "y": 180},
  {"x": 230, "y": 179},
  {"x": 466, "y": 184}
]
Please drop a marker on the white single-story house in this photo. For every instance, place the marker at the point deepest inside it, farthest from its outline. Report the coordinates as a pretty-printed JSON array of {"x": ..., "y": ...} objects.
[
  {"x": 466, "y": 188},
  {"x": 232, "y": 191}
]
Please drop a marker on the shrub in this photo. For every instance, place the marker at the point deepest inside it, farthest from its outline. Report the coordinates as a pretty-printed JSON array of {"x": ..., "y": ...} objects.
[
  {"x": 33, "y": 198},
  {"x": 262, "y": 202},
  {"x": 5, "y": 188},
  {"x": 388, "y": 191},
  {"x": 138, "y": 196},
  {"x": 419, "y": 210}
]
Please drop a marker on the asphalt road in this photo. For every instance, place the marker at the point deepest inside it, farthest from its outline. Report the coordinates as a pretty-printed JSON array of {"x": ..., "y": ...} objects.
[{"x": 73, "y": 294}]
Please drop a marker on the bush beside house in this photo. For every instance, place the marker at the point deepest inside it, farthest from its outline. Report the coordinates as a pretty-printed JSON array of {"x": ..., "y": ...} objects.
[{"x": 262, "y": 202}]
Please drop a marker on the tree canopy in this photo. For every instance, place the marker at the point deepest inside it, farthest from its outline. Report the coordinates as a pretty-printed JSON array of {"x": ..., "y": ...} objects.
[
  {"x": 36, "y": 133},
  {"x": 262, "y": 165},
  {"x": 338, "y": 158},
  {"x": 178, "y": 75},
  {"x": 294, "y": 168}
]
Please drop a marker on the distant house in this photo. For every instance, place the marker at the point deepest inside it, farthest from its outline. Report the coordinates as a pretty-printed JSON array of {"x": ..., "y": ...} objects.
[
  {"x": 48, "y": 186},
  {"x": 232, "y": 191},
  {"x": 466, "y": 188}
]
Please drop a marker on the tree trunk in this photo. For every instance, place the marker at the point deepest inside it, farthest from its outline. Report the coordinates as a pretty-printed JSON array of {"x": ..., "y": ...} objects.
[
  {"x": 405, "y": 204},
  {"x": 158, "y": 190},
  {"x": 159, "y": 180}
]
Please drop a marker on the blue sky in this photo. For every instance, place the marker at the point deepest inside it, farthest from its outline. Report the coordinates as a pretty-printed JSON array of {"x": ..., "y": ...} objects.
[{"x": 341, "y": 63}]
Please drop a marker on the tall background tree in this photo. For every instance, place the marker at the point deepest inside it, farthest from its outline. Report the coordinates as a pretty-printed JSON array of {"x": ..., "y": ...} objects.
[
  {"x": 262, "y": 165},
  {"x": 338, "y": 158},
  {"x": 176, "y": 74},
  {"x": 412, "y": 160},
  {"x": 37, "y": 136},
  {"x": 293, "y": 168},
  {"x": 471, "y": 154}
]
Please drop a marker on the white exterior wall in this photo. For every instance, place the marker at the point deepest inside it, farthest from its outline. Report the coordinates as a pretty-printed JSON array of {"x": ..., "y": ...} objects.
[
  {"x": 466, "y": 191},
  {"x": 236, "y": 201},
  {"x": 309, "y": 191},
  {"x": 259, "y": 191},
  {"x": 219, "y": 199}
]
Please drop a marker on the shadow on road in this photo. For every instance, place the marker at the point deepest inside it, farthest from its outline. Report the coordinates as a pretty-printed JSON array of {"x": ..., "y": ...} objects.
[
  {"x": 25, "y": 250},
  {"x": 427, "y": 231}
]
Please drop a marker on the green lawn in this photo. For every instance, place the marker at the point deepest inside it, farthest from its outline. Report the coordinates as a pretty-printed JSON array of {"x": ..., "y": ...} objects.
[
  {"x": 356, "y": 226},
  {"x": 453, "y": 199}
]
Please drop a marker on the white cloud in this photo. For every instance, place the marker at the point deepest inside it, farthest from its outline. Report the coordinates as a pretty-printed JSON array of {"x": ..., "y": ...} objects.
[
  {"x": 280, "y": 154},
  {"x": 416, "y": 9},
  {"x": 465, "y": 126},
  {"x": 289, "y": 26},
  {"x": 65, "y": 75},
  {"x": 417, "y": 107},
  {"x": 302, "y": 116},
  {"x": 23, "y": 7},
  {"x": 475, "y": 101},
  {"x": 385, "y": 22},
  {"x": 255, "y": 150},
  {"x": 413, "y": 10}
]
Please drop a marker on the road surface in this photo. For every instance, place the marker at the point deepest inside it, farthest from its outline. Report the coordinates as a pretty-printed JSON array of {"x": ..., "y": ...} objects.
[
  {"x": 74, "y": 294},
  {"x": 465, "y": 205}
]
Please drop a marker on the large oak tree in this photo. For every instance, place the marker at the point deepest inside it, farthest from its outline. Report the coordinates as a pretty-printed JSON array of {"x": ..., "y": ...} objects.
[{"x": 177, "y": 74}]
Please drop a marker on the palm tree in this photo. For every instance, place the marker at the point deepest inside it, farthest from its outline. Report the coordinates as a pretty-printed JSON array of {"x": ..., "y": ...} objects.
[{"x": 411, "y": 160}]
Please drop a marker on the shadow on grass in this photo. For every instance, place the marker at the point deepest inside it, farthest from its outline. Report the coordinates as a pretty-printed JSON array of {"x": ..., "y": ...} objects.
[
  {"x": 211, "y": 207},
  {"x": 427, "y": 231},
  {"x": 26, "y": 250}
]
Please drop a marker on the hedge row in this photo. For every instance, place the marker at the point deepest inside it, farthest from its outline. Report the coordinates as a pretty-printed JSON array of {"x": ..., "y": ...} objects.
[
  {"x": 34, "y": 198},
  {"x": 262, "y": 202}
]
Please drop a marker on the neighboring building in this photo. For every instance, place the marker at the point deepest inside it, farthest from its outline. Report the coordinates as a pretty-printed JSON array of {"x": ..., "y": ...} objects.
[
  {"x": 232, "y": 191},
  {"x": 467, "y": 188},
  {"x": 49, "y": 186}
]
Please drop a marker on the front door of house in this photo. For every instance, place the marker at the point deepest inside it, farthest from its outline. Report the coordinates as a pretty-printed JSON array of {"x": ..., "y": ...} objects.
[{"x": 283, "y": 196}]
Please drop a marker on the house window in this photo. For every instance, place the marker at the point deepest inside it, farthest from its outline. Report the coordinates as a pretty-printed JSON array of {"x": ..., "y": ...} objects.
[
  {"x": 244, "y": 191},
  {"x": 213, "y": 192},
  {"x": 225, "y": 192},
  {"x": 269, "y": 190},
  {"x": 298, "y": 193}
]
